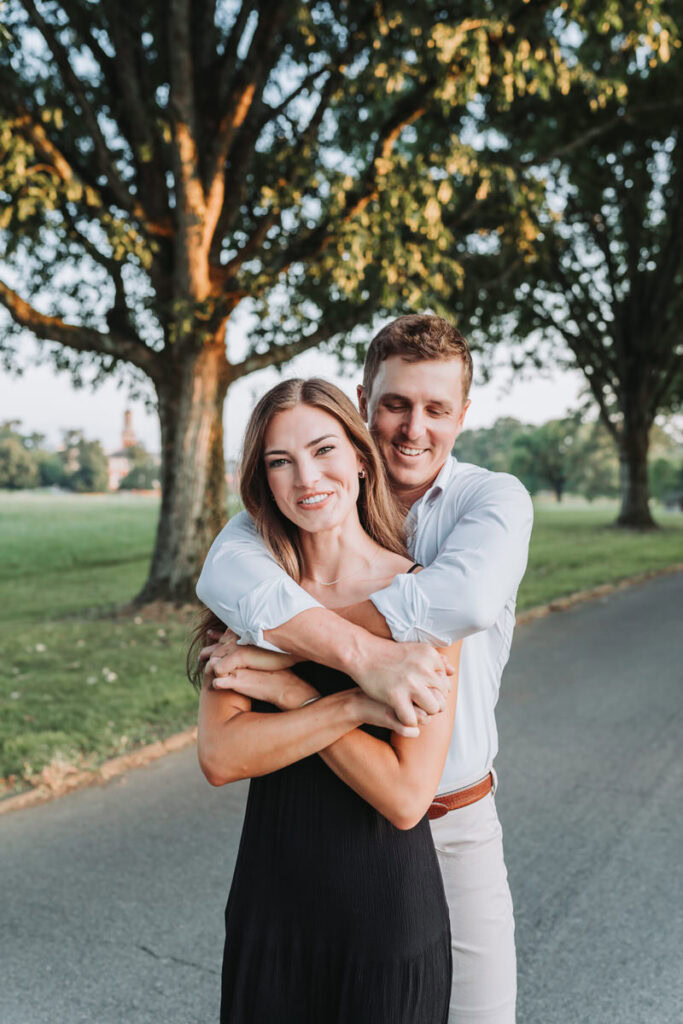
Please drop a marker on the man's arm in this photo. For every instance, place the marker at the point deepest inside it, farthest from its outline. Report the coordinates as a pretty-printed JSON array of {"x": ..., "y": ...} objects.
[
  {"x": 246, "y": 588},
  {"x": 478, "y": 567}
]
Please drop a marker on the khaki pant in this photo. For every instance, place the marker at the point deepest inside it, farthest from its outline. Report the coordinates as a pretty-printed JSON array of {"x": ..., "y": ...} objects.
[{"x": 469, "y": 844}]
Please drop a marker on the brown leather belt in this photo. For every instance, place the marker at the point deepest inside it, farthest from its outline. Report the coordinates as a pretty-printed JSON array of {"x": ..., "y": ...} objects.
[{"x": 445, "y": 802}]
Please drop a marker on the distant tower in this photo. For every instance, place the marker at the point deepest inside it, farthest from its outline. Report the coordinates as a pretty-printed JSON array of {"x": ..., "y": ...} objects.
[{"x": 128, "y": 438}]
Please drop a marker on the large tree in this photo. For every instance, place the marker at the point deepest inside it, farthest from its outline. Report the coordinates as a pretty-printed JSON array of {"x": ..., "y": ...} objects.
[
  {"x": 164, "y": 162},
  {"x": 605, "y": 274}
]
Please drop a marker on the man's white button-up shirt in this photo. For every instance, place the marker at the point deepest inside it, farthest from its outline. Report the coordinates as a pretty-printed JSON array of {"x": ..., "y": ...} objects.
[{"x": 471, "y": 533}]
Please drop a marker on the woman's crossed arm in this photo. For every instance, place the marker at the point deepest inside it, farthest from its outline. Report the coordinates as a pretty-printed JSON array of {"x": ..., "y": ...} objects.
[{"x": 399, "y": 778}]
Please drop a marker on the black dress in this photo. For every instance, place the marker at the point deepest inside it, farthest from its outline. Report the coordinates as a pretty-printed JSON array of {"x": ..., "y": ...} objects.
[{"x": 334, "y": 916}]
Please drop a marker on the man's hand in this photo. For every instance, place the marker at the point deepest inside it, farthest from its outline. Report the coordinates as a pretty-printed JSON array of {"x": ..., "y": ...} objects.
[{"x": 407, "y": 677}]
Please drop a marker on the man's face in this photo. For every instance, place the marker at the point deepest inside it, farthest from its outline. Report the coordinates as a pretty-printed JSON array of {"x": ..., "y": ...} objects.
[{"x": 415, "y": 412}]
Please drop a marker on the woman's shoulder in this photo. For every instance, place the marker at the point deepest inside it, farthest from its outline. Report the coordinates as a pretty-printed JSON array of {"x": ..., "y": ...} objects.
[
  {"x": 398, "y": 564},
  {"x": 385, "y": 572}
]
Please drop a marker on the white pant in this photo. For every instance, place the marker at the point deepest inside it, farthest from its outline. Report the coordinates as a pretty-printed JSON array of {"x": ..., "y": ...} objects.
[{"x": 469, "y": 844}]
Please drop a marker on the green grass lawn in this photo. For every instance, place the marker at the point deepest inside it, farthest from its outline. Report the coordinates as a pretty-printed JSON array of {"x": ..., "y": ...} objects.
[
  {"x": 575, "y": 547},
  {"x": 79, "y": 683}
]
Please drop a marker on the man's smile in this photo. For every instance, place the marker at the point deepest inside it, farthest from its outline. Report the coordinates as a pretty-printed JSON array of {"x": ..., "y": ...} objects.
[{"x": 408, "y": 450}]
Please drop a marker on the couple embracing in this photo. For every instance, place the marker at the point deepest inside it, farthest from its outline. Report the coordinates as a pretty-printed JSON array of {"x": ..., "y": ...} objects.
[{"x": 371, "y": 581}]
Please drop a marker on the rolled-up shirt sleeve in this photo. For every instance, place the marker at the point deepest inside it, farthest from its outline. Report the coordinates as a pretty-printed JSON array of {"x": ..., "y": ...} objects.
[
  {"x": 245, "y": 587},
  {"x": 477, "y": 569}
]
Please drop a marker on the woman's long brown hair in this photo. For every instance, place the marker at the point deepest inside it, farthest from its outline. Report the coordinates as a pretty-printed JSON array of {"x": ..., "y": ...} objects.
[{"x": 378, "y": 511}]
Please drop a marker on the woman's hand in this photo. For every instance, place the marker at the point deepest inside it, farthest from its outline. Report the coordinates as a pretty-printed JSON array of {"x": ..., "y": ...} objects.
[
  {"x": 288, "y": 692},
  {"x": 226, "y": 656},
  {"x": 373, "y": 712},
  {"x": 283, "y": 689}
]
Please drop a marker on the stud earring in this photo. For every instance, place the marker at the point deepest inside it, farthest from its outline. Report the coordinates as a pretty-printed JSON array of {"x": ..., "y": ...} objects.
[{"x": 361, "y": 475}]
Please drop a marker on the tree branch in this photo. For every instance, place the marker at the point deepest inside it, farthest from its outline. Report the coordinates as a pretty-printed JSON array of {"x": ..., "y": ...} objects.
[
  {"x": 246, "y": 90},
  {"x": 226, "y": 68},
  {"x": 71, "y": 81},
  {"x": 407, "y": 111},
  {"x": 82, "y": 339},
  {"x": 272, "y": 113},
  {"x": 252, "y": 245},
  {"x": 335, "y": 323},
  {"x": 191, "y": 261},
  {"x": 669, "y": 375},
  {"x": 68, "y": 173},
  {"x": 83, "y": 25},
  {"x": 132, "y": 106},
  {"x": 25, "y": 123},
  {"x": 596, "y": 131},
  {"x": 596, "y": 380},
  {"x": 118, "y": 317},
  {"x": 203, "y": 35}
]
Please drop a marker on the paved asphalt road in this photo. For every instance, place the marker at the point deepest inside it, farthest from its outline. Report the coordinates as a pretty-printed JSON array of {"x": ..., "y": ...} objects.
[{"x": 112, "y": 898}]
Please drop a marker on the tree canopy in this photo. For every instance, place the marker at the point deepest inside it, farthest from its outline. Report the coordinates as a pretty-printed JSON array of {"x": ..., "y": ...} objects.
[
  {"x": 163, "y": 163},
  {"x": 604, "y": 282}
]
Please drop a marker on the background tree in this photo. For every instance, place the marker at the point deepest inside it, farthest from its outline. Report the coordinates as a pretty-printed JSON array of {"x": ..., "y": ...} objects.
[
  {"x": 491, "y": 447},
  {"x": 90, "y": 473},
  {"x": 549, "y": 456},
  {"x": 18, "y": 465},
  {"x": 607, "y": 272},
  {"x": 51, "y": 469},
  {"x": 143, "y": 473},
  {"x": 666, "y": 481},
  {"x": 597, "y": 475},
  {"x": 163, "y": 162}
]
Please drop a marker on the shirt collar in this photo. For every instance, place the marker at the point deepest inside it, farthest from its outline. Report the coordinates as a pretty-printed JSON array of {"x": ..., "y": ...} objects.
[{"x": 439, "y": 485}]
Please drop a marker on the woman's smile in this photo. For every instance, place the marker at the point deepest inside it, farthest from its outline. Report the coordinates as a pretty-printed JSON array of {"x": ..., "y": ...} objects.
[{"x": 315, "y": 500}]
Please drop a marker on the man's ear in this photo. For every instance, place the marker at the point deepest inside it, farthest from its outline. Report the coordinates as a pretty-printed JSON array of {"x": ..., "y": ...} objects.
[
  {"x": 461, "y": 419},
  {"x": 362, "y": 402}
]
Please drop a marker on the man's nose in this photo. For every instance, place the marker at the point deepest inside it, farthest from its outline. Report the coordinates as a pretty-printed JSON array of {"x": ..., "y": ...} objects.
[{"x": 413, "y": 425}]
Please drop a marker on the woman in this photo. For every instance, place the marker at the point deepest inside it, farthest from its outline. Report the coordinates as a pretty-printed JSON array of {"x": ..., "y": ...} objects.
[{"x": 336, "y": 911}]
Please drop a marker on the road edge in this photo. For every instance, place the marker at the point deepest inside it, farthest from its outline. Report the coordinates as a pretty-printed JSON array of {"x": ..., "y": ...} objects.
[
  {"x": 107, "y": 771},
  {"x": 562, "y": 604},
  {"x": 116, "y": 766}
]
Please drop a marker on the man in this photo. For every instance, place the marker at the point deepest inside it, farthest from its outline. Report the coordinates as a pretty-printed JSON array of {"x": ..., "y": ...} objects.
[{"x": 470, "y": 529}]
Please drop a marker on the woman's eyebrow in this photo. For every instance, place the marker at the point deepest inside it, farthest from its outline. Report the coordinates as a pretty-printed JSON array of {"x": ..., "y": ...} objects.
[{"x": 282, "y": 451}]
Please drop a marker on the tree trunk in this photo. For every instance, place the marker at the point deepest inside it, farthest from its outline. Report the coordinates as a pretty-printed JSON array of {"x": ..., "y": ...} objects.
[
  {"x": 193, "y": 494},
  {"x": 634, "y": 440}
]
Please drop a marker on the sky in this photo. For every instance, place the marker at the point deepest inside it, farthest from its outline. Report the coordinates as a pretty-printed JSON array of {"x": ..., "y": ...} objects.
[{"x": 45, "y": 401}]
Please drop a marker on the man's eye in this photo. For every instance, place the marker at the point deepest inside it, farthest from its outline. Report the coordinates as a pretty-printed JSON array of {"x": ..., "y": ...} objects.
[{"x": 394, "y": 406}]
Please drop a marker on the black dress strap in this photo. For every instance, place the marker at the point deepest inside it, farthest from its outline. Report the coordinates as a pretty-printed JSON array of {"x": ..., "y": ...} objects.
[{"x": 415, "y": 565}]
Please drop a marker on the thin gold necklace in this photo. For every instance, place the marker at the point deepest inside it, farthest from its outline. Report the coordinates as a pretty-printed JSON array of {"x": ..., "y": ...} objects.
[{"x": 342, "y": 579}]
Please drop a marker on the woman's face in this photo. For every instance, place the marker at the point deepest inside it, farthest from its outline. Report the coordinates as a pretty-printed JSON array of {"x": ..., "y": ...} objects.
[{"x": 312, "y": 468}]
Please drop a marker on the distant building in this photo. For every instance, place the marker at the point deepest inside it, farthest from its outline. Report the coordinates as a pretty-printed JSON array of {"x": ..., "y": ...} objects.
[
  {"x": 119, "y": 462},
  {"x": 128, "y": 438}
]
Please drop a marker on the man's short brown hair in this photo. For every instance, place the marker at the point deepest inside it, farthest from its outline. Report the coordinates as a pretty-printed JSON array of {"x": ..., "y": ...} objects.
[{"x": 417, "y": 337}]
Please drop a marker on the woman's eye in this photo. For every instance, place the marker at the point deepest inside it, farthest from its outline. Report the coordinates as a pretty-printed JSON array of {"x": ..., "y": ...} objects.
[
  {"x": 276, "y": 462},
  {"x": 325, "y": 449}
]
